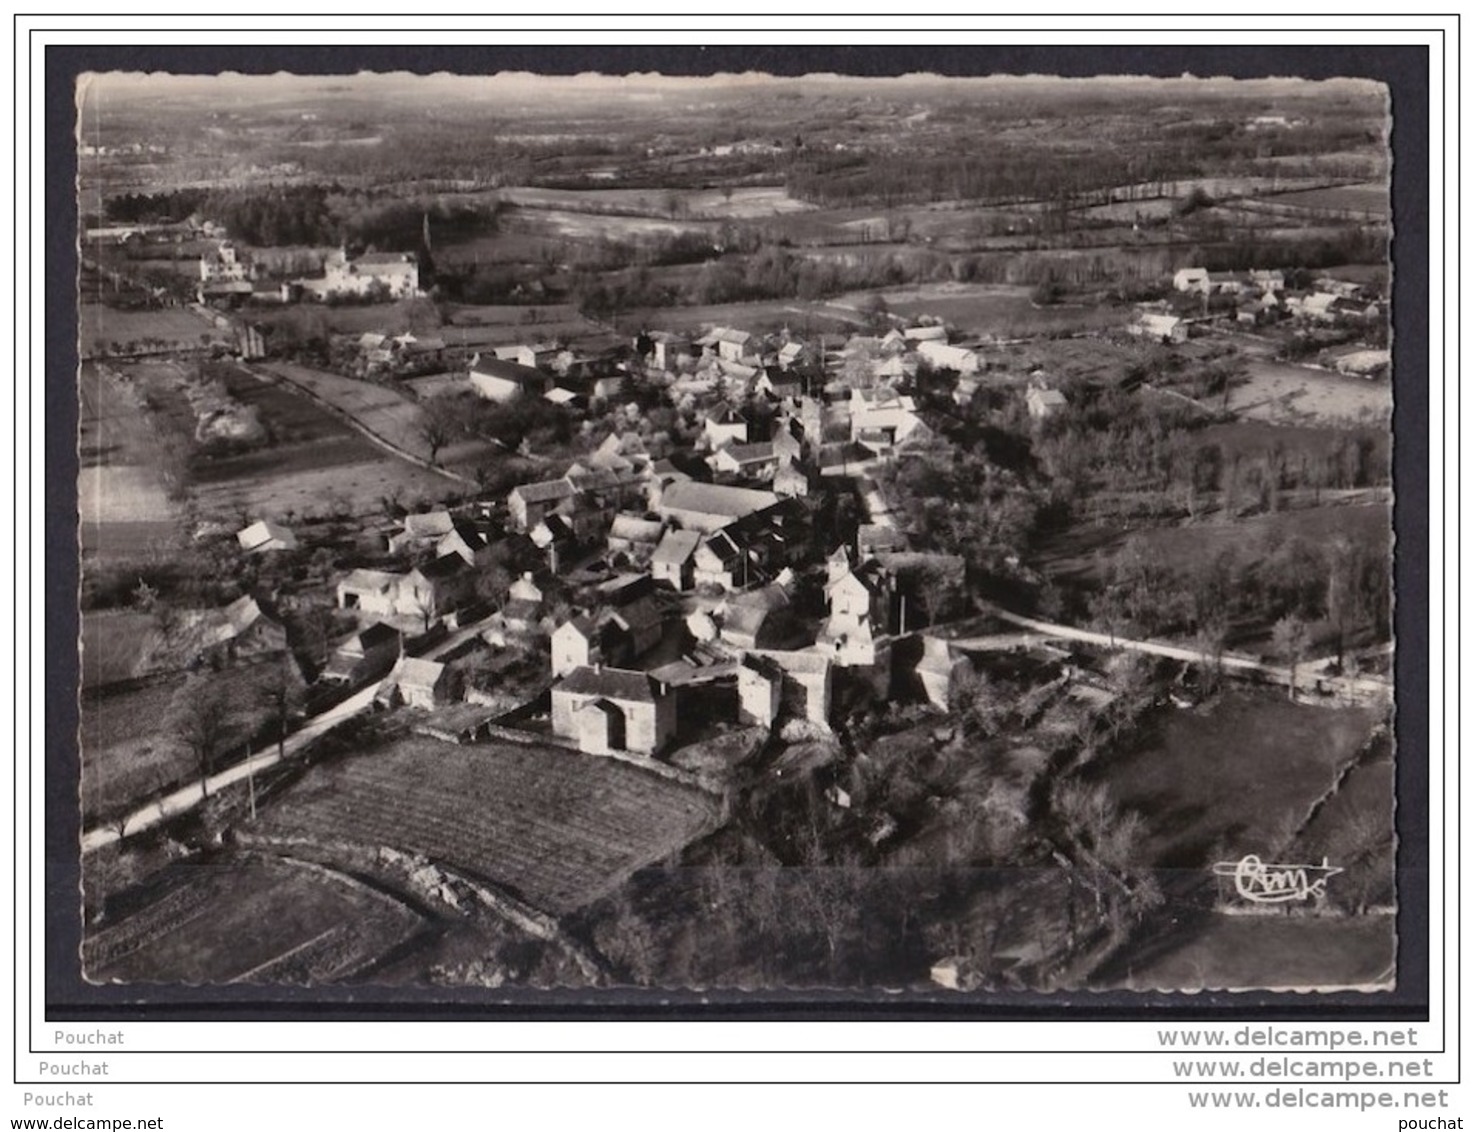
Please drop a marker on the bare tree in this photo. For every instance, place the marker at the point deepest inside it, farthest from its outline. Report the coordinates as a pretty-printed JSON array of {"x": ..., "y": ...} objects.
[
  {"x": 1291, "y": 637},
  {"x": 282, "y": 697},
  {"x": 200, "y": 717}
]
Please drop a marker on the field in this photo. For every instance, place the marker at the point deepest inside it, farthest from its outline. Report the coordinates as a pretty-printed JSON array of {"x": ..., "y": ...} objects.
[
  {"x": 558, "y": 829},
  {"x": 172, "y": 327},
  {"x": 1237, "y": 776},
  {"x": 1373, "y": 199},
  {"x": 1288, "y": 394},
  {"x": 312, "y": 459},
  {"x": 975, "y": 308},
  {"x": 251, "y": 919},
  {"x": 1277, "y": 952},
  {"x": 1076, "y": 554},
  {"x": 739, "y": 203},
  {"x": 121, "y": 492},
  {"x": 126, "y": 757},
  {"x": 113, "y": 644}
]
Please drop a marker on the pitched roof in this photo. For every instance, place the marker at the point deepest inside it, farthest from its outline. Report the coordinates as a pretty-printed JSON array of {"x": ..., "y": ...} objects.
[
  {"x": 362, "y": 579},
  {"x": 446, "y": 566},
  {"x": 795, "y": 661},
  {"x": 377, "y": 634},
  {"x": 507, "y": 371},
  {"x": 675, "y": 548},
  {"x": 758, "y": 453},
  {"x": 263, "y": 531},
  {"x": 418, "y": 672},
  {"x": 543, "y": 491},
  {"x": 428, "y": 524},
  {"x": 382, "y": 259},
  {"x": 611, "y": 684},
  {"x": 635, "y": 528},
  {"x": 715, "y": 499},
  {"x": 241, "y": 614}
]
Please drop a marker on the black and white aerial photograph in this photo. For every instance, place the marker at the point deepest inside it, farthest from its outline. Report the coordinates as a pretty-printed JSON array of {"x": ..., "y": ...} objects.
[{"x": 735, "y": 533}]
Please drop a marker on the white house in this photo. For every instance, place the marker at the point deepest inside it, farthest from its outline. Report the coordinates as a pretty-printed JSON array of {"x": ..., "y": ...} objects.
[
  {"x": 264, "y": 535},
  {"x": 1191, "y": 279},
  {"x": 943, "y": 356},
  {"x": 503, "y": 381}
]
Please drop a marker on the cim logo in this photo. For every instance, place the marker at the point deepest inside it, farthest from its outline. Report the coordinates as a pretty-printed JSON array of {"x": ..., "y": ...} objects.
[{"x": 1268, "y": 882}]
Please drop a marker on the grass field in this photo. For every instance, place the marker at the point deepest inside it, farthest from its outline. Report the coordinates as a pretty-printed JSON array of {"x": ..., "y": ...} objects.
[
  {"x": 113, "y": 644},
  {"x": 1279, "y": 952},
  {"x": 122, "y": 497},
  {"x": 314, "y": 459},
  {"x": 1236, "y": 776},
  {"x": 98, "y": 326},
  {"x": 557, "y": 828},
  {"x": 250, "y": 920},
  {"x": 1370, "y": 198},
  {"x": 975, "y": 308},
  {"x": 1288, "y": 394},
  {"x": 127, "y": 757}
]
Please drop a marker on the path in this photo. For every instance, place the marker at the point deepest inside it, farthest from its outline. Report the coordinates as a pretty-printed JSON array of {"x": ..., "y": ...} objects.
[
  {"x": 278, "y": 375},
  {"x": 186, "y": 798},
  {"x": 1352, "y": 687}
]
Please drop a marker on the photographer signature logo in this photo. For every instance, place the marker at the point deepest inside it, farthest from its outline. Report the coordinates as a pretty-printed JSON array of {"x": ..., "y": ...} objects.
[{"x": 1269, "y": 882}]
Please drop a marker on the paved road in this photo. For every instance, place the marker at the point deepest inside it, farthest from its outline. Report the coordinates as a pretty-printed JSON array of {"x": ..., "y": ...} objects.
[{"x": 188, "y": 797}]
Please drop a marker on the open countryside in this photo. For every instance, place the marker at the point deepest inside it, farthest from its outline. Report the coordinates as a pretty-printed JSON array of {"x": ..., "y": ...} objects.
[{"x": 908, "y": 534}]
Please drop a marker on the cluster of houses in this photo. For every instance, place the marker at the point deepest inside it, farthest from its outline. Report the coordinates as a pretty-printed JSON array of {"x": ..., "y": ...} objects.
[
  {"x": 653, "y": 583},
  {"x": 228, "y": 276},
  {"x": 1257, "y": 298}
]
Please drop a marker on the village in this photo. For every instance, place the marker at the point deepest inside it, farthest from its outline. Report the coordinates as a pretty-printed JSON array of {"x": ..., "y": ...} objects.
[{"x": 596, "y": 651}]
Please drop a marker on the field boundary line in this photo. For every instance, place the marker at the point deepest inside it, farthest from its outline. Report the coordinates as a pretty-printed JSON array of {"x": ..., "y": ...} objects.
[{"x": 354, "y": 423}]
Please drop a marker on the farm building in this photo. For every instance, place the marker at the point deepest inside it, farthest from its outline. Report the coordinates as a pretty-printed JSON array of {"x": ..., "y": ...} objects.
[
  {"x": 724, "y": 425},
  {"x": 537, "y": 356},
  {"x": 239, "y": 630},
  {"x": 1191, "y": 279},
  {"x": 371, "y": 592},
  {"x": 1268, "y": 280},
  {"x": 728, "y": 344},
  {"x": 882, "y": 419},
  {"x": 436, "y": 589},
  {"x": 264, "y": 535},
  {"x": 611, "y": 710},
  {"x": 956, "y": 358},
  {"x": 365, "y": 656},
  {"x": 668, "y": 350},
  {"x": 759, "y": 619},
  {"x": 805, "y": 680},
  {"x": 792, "y": 354},
  {"x": 416, "y": 682},
  {"x": 672, "y": 560},
  {"x": 464, "y": 539},
  {"x": 759, "y": 690},
  {"x": 790, "y": 480},
  {"x": 707, "y": 507},
  {"x": 1159, "y": 327},
  {"x": 1042, "y": 402},
  {"x": 505, "y": 382},
  {"x": 634, "y": 535},
  {"x": 751, "y": 461},
  {"x": 926, "y": 334},
  {"x": 420, "y": 531},
  {"x": 577, "y": 642},
  {"x": 529, "y": 503}
]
